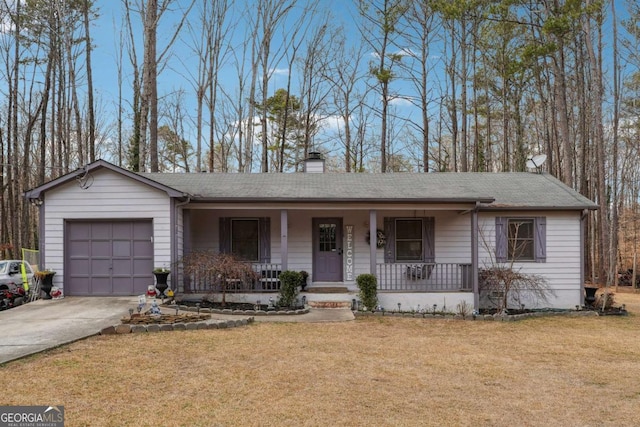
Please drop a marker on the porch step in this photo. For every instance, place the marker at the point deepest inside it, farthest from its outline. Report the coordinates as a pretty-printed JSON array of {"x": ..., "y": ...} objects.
[
  {"x": 327, "y": 296},
  {"x": 327, "y": 290},
  {"x": 329, "y": 304}
]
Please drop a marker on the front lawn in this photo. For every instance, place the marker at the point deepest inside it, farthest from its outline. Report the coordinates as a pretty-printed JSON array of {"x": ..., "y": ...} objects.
[{"x": 582, "y": 371}]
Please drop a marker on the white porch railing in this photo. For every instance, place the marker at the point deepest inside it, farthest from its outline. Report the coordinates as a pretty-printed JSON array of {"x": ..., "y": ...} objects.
[
  {"x": 268, "y": 277},
  {"x": 424, "y": 277},
  {"x": 404, "y": 277}
]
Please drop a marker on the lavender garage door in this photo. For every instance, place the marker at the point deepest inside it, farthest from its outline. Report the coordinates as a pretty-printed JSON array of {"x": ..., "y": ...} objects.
[{"x": 108, "y": 257}]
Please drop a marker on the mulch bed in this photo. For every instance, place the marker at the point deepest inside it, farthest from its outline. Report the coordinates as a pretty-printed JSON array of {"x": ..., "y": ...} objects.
[
  {"x": 327, "y": 290},
  {"x": 232, "y": 306},
  {"x": 150, "y": 319}
]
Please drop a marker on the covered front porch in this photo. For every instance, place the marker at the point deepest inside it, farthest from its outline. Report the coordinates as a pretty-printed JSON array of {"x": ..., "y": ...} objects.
[{"x": 416, "y": 249}]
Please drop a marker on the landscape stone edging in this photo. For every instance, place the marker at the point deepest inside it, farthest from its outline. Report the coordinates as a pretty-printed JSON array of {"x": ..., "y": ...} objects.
[
  {"x": 205, "y": 324},
  {"x": 240, "y": 312},
  {"x": 480, "y": 317}
]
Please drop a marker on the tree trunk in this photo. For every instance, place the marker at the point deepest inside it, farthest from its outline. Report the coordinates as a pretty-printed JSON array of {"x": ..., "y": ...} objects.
[
  {"x": 92, "y": 121},
  {"x": 595, "y": 63},
  {"x": 150, "y": 82}
]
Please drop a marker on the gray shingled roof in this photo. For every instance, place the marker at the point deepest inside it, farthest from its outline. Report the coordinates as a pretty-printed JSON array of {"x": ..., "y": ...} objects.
[{"x": 499, "y": 190}]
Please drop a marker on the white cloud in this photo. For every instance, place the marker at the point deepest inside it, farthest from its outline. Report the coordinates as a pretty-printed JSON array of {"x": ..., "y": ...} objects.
[
  {"x": 280, "y": 71},
  {"x": 400, "y": 101},
  {"x": 401, "y": 52},
  {"x": 405, "y": 52},
  {"x": 331, "y": 123}
]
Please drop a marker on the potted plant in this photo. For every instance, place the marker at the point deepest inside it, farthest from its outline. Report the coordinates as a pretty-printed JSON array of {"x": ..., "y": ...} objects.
[
  {"x": 161, "y": 274},
  {"x": 303, "y": 279},
  {"x": 590, "y": 295},
  {"x": 45, "y": 277}
]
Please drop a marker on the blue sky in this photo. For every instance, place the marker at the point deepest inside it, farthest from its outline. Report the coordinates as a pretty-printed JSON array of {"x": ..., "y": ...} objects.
[
  {"x": 107, "y": 30},
  {"x": 108, "y": 27}
]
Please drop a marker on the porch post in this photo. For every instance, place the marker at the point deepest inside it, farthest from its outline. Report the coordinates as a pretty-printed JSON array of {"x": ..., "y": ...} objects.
[
  {"x": 474, "y": 258},
  {"x": 284, "y": 239},
  {"x": 373, "y": 227}
]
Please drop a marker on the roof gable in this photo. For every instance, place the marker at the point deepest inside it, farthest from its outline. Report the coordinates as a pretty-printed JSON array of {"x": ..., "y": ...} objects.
[{"x": 36, "y": 193}]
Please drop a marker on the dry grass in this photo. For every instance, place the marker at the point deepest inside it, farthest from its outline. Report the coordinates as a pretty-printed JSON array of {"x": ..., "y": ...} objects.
[{"x": 378, "y": 371}]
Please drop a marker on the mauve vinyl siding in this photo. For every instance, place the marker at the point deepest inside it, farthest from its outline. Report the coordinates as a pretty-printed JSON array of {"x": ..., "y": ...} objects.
[
  {"x": 452, "y": 240},
  {"x": 110, "y": 196},
  {"x": 562, "y": 265}
]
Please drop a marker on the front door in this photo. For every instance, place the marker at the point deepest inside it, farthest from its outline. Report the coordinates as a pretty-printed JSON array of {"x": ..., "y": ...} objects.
[{"x": 327, "y": 249}]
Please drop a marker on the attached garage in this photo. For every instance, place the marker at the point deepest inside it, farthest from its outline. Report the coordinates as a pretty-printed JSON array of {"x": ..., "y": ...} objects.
[
  {"x": 104, "y": 229},
  {"x": 108, "y": 257}
]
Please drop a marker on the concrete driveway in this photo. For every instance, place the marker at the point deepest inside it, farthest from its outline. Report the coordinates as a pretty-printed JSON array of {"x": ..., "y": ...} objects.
[{"x": 43, "y": 324}]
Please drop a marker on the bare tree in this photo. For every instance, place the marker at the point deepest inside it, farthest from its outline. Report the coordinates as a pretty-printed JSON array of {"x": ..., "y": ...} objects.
[
  {"x": 502, "y": 283},
  {"x": 151, "y": 11},
  {"x": 174, "y": 149},
  {"x": 209, "y": 41},
  {"x": 557, "y": 33},
  {"x": 419, "y": 34},
  {"x": 597, "y": 98},
  {"x": 314, "y": 89},
  {"x": 269, "y": 14},
  {"x": 345, "y": 74},
  {"x": 380, "y": 32},
  {"x": 90, "y": 103}
]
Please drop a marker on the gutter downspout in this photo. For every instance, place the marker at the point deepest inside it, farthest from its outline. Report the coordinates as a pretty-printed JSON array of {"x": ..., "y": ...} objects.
[{"x": 583, "y": 217}]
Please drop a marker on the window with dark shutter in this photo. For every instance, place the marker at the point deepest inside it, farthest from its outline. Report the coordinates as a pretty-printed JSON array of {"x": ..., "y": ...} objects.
[
  {"x": 248, "y": 238},
  {"x": 245, "y": 242},
  {"x": 521, "y": 239},
  {"x": 409, "y": 239}
]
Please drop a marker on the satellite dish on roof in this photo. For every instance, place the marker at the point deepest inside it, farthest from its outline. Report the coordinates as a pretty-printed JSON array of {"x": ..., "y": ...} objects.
[{"x": 536, "y": 162}]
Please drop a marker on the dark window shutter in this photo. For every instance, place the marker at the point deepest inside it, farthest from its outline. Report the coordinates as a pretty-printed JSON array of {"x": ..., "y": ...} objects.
[
  {"x": 265, "y": 239},
  {"x": 225, "y": 235},
  {"x": 429, "y": 239},
  {"x": 390, "y": 242},
  {"x": 540, "y": 239},
  {"x": 501, "y": 239}
]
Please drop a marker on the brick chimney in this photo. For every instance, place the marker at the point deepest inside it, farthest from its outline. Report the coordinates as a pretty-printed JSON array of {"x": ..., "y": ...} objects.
[{"x": 314, "y": 163}]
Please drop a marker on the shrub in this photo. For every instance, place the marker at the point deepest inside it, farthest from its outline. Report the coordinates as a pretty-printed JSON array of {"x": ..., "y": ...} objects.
[
  {"x": 464, "y": 309},
  {"x": 604, "y": 301},
  {"x": 506, "y": 287},
  {"x": 217, "y": 272},
  {"x": 289, "y": 282},
  {"x": 368, "y": 285}
]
